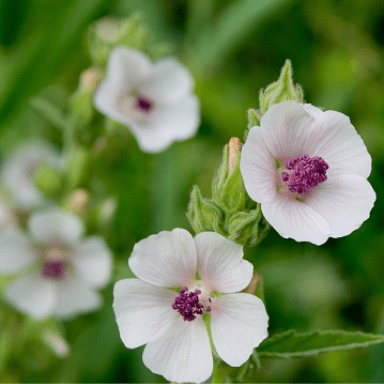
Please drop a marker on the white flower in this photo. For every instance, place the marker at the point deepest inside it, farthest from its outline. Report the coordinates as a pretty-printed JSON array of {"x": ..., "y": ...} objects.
[
  {"x": 18, "y": 170},
  {"x": 65, "y": 270},
  {"x": 180, "y": 279},
  {"x": 154, "y": 100},
  {"x": 308, "y": 169}
]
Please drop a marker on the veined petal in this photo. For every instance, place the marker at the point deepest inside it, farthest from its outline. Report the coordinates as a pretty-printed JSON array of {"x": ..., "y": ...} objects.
[
  {"x": 284, "y": 127},
  {"x": 16, "y": 252},
  {"x": 258, "y": 168},
  {"x": 312, "y": 110},
  {"x": 334, "y": 138},
  {"x": 167, "y": 259},
  {"x": 345, "y": 201},
  {"x": 168, "y": 123},
  {"x": 75, "y": 296},
  {"x": 33, "y": 294},
  {"x": 171, "y": 82},
  {"x": 239, "y": 324},
  {"x": 182, "y": 355},
  {"x": 56, "y": 227},
  {"x": 220, "y": 263},
  {"x": 93, "y": 260},
  {"x": 143, "y": 311},
  {"x": 297, "y": 220}
]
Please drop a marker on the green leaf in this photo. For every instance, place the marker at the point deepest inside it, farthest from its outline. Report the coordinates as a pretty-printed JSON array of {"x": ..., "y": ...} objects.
[{"x": 295, "y": 345}]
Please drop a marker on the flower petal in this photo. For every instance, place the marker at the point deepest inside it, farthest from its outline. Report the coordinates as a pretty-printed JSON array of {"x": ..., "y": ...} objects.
[
  {"x": 167, "y": 259},
  {"x": 239, "y": 324},
  {"x": 19, "y": 168},
  {"x": 168, "y": 123},
  {"x": 258, "y": 168},
  {"x": 345, "y": 201},
  {"x": 126, "y": 69},
  {"x": 33, "y": 294},
  {"x": 56, "y": 227},
  {"x": 312, "y": 110},
  {"x": 220, "y": 263},
  {"x": 93, "y": 260},
  {"x": 75, "y": 297},
  {"x": 295, "y": 219},
  {"x": 182, "y": 355},
  {"x": 285, "y": 127},
  {"x": 334, "y": 138},
  {"x": 143, "y": 311},
  {"x": 16, "y": 252},
  {"x": 171, "y": 82}
]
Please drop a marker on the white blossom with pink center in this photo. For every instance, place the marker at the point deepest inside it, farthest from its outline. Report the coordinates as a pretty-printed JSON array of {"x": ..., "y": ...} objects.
[
  {"x": 154, "y": 101},
  {"x": 61, "y": 271},
  {"x": 308, "y": 169},
  {"x": 18, "y": 170},
  {"x": 182, "y": 279}
]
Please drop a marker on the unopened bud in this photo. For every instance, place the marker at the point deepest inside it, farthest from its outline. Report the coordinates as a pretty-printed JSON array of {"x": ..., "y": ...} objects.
[
  {"x": 78, "y": 201},
  {"x": 91, "y": 78},
  {"x": 58, "y": 344}
]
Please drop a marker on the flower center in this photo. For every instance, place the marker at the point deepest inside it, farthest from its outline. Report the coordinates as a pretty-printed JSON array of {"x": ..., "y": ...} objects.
[
  {"x": 55, "y": 263},
  {"x": 54, "y": 270},
  {"x": 307, "y": 172},
  {"x": 144, "y": 104},
  {"x": 188, "y": 304}
]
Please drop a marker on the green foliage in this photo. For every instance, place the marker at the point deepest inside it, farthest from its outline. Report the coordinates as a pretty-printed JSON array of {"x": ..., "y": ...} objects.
[{"x": 291, "y": 344}]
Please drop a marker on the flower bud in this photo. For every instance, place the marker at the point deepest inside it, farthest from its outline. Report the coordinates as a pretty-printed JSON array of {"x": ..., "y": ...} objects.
[
  {"x": 78, "y": 201},
  {"x": 281, "y": 90},
  {"x": 108, "y": 33},
  {"x": 248, "y": 228},
  {"x": 228, "y": 190},
  {"x": 203, "y": 215},
  {"x": 48, "y": 180}
]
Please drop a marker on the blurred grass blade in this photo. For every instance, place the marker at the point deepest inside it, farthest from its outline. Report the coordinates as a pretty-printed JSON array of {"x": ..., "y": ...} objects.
[
  {"x": 297, "y": 345},
  {"x": 231, "y": 27},
  {"x": 30, "y": 69},
  {"x": 49, "y": 111}
]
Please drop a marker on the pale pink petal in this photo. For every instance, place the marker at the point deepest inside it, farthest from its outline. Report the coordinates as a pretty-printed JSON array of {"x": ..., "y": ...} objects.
[
  {"x": 167, "y": 259},
  {"x": 143, "y": 311},
  {"x": 220, "y": 263},
  {"x": 93, "y": 260},
  {"x": 312, "y": 110},
  {"x": 33, "y": 294},
  {"x": 334, "y": 138},
  {"x": 182, "y": 355},
  {"x": 55, "y": 227},
  {"x": 285, "y": 127},
  {"x": 126, "y": 69},
  {"x": 258, "y": 168},
  {"x": 294, "y": 219},
  {"x": 16, "y": 251},
  {"x": 239, "y": 324},
  {"x": 171, "y": 82},
  {"x": 168, "y": 123},
  {"x": 345, "y": 201},
  {"x": 75, "y": 297}
]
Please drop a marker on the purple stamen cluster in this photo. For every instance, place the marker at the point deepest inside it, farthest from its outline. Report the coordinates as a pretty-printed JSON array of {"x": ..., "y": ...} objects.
[
  {"x": 188, "y": 304},
  {"x": 54, "y": 270},
  {"x": 307, "y": 173},
  {"x": 144, "y": 104}
]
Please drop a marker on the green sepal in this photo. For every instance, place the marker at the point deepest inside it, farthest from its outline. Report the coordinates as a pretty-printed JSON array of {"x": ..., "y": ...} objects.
[
  {"x": 130, "y": 32},
  {"x": 203, "y": 215},
  {"x": 48, "y": 179},
  {"x": 228, "y": 191},
  {"x": 78, "y": 163},
  {"x": 292, "y": 344},
  {"x": 248, "y": 228},
  {"x": 281, "y": 90}
]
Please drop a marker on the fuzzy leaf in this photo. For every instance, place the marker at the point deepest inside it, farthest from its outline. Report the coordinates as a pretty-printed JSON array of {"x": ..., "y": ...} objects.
[{"x": 291, "y": 344}]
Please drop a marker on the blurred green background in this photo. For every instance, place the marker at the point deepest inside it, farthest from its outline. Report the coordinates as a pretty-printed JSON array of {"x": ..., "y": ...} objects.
[{"x": 233, "y": 48}]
